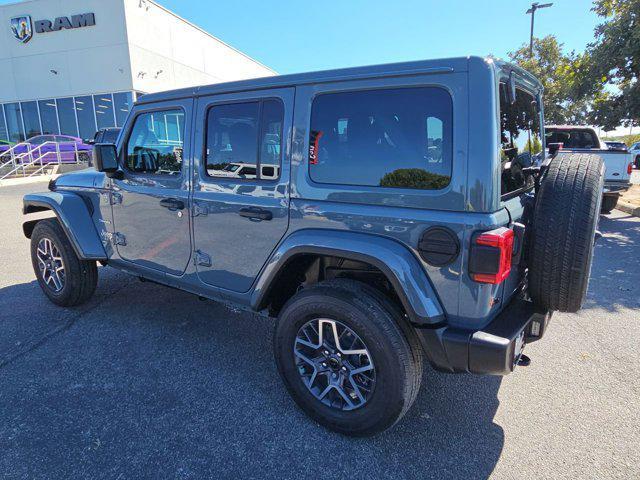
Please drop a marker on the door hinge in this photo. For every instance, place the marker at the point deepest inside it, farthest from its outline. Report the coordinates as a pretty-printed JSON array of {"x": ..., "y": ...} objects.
[
  {"x": 202, "y": 259},
  {"x": 199, "y": 210},
  {"x": 116, "y": 198},
  {"x": 118, "y": 239}
]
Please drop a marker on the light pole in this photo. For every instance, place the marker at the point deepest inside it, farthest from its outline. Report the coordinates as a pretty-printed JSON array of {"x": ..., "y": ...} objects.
[{"x": 534, "y": 6}]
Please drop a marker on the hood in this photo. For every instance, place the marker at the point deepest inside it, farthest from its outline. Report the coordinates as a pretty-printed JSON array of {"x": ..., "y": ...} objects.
[{"x": 87, "y": 178}]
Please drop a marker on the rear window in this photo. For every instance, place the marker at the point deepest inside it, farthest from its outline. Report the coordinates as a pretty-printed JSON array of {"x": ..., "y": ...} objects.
[
  {"x": 572, "y": 138},
  {"x": 398, "y": 138},
  {"x": 520, "y": 139}
]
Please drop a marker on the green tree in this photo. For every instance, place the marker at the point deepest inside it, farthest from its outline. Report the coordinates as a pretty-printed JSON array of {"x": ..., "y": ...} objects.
[
  {"x": 566, "y": 94},
  {"x": 615, "y": 59},
  {"x": 414, "y": 178}
]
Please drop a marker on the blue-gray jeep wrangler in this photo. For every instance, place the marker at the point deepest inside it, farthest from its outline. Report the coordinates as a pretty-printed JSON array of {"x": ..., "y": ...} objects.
[{"x": 383, "y": 214}]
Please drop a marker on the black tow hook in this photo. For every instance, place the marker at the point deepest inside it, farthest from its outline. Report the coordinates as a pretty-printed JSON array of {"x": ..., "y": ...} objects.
[{"x": 524, "y": 361}]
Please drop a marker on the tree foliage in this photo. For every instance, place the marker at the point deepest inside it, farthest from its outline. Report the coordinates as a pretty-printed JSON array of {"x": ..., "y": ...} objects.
[
  {"x": 615, "y": 59},
  {"x": 566, "y": 94},
  {"x": 414, "y": 178}
]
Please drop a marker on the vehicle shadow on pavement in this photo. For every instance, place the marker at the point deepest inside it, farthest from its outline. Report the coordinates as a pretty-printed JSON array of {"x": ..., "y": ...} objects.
[
  {"x": 612, "y": 275},
  {"x": 146, "y": 381}
]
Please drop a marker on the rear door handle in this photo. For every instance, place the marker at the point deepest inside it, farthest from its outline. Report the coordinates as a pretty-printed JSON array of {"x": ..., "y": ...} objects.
[
  {"x": 255, "y": 213},
  {"x": 172, "y": 204}
]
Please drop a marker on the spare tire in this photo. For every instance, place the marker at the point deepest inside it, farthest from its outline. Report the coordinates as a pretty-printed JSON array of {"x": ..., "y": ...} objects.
[{"x": 564, "y": 224}]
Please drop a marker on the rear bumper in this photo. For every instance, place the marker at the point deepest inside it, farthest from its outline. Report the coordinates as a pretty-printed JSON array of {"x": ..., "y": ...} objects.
[
  {"x": 493, "y": 350},
  {"x": 615, "y": 187}
]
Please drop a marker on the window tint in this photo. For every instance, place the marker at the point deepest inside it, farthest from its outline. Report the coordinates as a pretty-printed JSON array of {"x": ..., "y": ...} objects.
[
  {"x": 104, "y": 111},
  {"x": 237, "y": 142},
  {"x": 67, "y": 117},
  {"x": 31, "y": 119},
  {"x": 48, "y": 116},
  {"x": 86, "y": 118},
  {"x": 389, "y": 138},
  {"x": 14, "y": 122},
  {"x": 153, "y": 145},
  {"x": 520, "y": 139}
]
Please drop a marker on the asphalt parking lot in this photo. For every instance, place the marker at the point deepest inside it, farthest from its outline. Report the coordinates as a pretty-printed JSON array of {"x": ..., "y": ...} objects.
[{"x": 149, "y": 382}]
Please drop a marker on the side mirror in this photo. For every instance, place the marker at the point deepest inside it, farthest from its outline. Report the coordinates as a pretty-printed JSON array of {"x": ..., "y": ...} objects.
[{"x": 105, "y": 158}]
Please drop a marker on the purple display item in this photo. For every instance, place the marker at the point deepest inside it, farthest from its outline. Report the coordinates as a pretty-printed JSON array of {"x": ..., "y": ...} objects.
[{"x": 50, "y": 149}]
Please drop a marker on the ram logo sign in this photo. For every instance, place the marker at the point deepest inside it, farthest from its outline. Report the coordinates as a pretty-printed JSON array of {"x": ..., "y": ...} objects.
[{"x": 22, "y": 27}]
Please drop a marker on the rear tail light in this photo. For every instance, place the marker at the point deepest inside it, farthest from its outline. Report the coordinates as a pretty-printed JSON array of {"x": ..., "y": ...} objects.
[
  {"x": 630, "y": 169},
  {"x": 490, "y": 256}
]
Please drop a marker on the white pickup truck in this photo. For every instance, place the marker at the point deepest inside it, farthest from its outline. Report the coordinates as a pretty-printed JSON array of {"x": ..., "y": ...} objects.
[{"x": 618, "y": 164}]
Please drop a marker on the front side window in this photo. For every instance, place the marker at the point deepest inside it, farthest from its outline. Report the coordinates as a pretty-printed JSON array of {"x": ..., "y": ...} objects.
[
  {"x": 244, "y": 140},
  {"x": 520, "y": 138},
  {"x": 154, "y": 145},
  {"x": 400, "y": 138}
]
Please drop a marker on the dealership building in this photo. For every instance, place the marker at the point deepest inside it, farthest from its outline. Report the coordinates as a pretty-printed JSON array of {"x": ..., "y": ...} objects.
[{"x": 72, "y": 67}]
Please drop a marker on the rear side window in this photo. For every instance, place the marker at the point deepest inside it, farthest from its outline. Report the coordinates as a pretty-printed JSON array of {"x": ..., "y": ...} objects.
[
  {"x": 398, "y": 138},
  {"x": 520, "y": 139}
]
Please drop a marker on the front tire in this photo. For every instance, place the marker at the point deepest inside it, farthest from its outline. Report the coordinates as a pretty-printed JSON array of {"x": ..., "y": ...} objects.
[
  {"x": 348, "y": 357},
  {"x": 64, "y": 278}
]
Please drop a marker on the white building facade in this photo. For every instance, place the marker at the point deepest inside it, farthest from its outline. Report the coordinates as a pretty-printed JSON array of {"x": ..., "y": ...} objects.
[{"x": 72, "y": 67}]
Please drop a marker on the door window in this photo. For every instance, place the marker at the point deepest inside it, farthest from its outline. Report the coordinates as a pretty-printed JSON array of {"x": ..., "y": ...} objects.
[
  {"x": 155, "y": 144},
  {"x": 244, "y": 140}
]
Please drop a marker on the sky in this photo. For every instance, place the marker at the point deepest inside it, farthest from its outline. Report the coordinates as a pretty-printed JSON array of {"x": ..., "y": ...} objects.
[{"x": 296, "y": 36}]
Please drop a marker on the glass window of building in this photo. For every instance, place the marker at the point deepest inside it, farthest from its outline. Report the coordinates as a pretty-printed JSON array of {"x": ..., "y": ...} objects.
[
  {"x": 31, "y": 119},
  {"x": 86, "y": 118},
  {"x": 48, "y": 116},
  {"x": 104, "y": 110},
  {"x": 122, "y": 104},
  {"x": 4, "y": 135},
  {"x": 14, "y": 122},
  {"x": 67, "y": 117}
]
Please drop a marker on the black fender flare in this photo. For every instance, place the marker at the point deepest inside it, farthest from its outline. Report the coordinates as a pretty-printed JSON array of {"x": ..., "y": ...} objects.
[
  {"x": 74, "y": 217},
  {"x": 396, "y": 261}
]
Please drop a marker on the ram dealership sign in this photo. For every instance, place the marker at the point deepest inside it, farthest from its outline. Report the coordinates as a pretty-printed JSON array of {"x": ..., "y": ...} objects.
[{"x": 23, "y": 30}]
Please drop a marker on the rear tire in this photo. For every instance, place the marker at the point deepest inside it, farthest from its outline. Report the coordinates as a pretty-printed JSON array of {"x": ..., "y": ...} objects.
[
  {"x": 66, "y": 279},
  {"x": 609, "y": 202},
  {"x": 391, "y": 344},
  {"x": 564, "y": 224}
]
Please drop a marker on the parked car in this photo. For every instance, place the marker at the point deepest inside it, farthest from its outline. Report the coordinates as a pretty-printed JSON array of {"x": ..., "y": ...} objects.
[
  {"x": 386, "y": 236},
  {"x": 71, "y": 149},
  {"x": 635, "y": 151},
  {"x": 5, "y": 145},
  {"x": 105, "y": 135},
  {"x": 617, "y": 146},
  {"x": 578, "y": 139}
]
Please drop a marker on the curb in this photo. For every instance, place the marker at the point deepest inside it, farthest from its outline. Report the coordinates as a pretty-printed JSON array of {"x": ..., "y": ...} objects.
[
  {"x": 26, "y": 180},
  {"x": 628, "y": 207}
]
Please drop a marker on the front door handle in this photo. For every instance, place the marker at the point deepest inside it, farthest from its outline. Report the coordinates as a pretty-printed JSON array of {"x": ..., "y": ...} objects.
[
  {"x": 172, "y": 204},
  {"x": 255, "y": 213}
]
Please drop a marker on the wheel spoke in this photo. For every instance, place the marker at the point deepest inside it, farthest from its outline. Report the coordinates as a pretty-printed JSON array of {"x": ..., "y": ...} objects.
[{"x": 342, "y": 367}]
